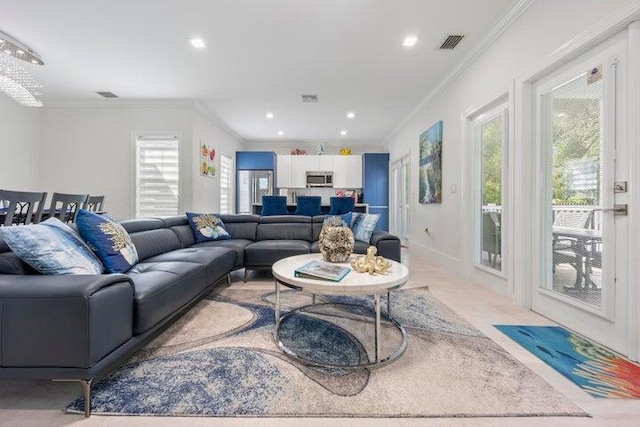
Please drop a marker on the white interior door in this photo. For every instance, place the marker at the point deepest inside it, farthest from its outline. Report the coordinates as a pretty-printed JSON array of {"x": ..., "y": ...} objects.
[
  {"x": 400, "y": 198},
  {"x": 581, "y": 255}
]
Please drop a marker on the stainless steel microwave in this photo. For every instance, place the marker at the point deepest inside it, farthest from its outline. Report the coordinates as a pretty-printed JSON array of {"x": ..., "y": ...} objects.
[{"x": 319, "y": 179}]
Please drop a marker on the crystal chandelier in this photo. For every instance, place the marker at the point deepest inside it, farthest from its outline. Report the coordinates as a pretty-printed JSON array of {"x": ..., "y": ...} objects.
[{"x": 15, "y": 80}]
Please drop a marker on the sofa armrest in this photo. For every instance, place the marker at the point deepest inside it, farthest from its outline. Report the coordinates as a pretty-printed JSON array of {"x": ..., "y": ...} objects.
[
  {"x": 63, "y": 321},
  {"x": 388, "y": 245}
]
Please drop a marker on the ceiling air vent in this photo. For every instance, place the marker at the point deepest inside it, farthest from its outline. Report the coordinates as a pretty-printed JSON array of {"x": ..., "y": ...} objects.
[
  {"x": 451, "y": 42},
  {"x": 107, "y": 94},
  {"x": 309, "y": 98}
]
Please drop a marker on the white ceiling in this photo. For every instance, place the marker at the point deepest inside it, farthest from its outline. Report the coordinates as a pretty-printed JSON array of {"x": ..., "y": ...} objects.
[{"x": 260, "y": 56}]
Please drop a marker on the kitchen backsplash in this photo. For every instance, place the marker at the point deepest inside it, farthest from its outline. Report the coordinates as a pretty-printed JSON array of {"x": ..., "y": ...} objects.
[{"x": 325, "y": 193}]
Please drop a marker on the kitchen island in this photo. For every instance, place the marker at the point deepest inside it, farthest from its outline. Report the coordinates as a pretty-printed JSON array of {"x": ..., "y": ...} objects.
[{"x": 291, "y": 207}]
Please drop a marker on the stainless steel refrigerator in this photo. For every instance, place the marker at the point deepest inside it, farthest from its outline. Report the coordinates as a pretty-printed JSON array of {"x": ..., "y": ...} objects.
[{"x": 252, "y": 185}]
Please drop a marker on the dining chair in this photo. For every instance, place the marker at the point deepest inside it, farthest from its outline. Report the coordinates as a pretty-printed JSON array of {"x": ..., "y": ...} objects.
[
  {"x": 566, "y": 249},
  {"x": 308, "y": 205},
  {"x": 21, "y": 207},
  {"x": 274, "y": 205},
  {"x": 65, "y": 206},
  {"x": 491, "y": 237},
  {"x": 94, "y": 203},
  {"x": 341, "y": 205}
]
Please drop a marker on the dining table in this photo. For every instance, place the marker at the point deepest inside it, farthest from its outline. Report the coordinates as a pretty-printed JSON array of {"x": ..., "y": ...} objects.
[{"x": 586, "y": 240}]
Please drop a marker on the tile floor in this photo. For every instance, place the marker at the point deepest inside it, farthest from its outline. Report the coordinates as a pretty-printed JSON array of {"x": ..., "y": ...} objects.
[{"x": 39, "y": 403}]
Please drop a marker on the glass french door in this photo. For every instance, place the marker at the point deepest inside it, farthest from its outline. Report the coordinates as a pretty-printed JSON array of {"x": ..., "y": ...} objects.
[{"x": 579, "y": 115}]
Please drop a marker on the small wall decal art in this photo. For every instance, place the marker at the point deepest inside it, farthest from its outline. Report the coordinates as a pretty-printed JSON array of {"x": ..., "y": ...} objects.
[
  {"x": 430, "y": 167},
  {"x": 207, "y": 161}
]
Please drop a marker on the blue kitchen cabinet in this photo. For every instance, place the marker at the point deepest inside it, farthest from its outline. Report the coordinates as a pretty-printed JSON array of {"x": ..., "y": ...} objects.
[
  {"x": 375, "y": 186},
  {"x": 255, "y": 160}
]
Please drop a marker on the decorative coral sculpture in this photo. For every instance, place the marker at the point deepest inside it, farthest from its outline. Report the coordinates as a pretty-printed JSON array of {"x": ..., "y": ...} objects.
[
  {"x": 335, "y": 241},
  {"x": 370, "y": 263}
]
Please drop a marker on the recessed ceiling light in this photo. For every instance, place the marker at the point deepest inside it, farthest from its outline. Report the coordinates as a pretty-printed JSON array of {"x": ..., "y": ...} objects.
[
  {"x": 343, "y": 132},
  {"x": 410, "y": 41},
  {"x": 7, "y": 51},
  {"x": 351, "y": 115},
  {"x": 280, "y": 133},
  {"x": 198, "y": 43},
  {"x": 269, "y": 115}
]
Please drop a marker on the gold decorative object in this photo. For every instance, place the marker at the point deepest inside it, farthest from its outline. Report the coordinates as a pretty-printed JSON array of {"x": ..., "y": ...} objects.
[
  {"x": 370, "y": 263},
  {"x": 345, "y": 151},
  {"x": 335, "y": 241}
]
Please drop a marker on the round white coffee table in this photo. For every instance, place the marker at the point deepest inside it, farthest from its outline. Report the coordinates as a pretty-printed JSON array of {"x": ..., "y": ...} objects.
[{"x": 352, "y": 284}]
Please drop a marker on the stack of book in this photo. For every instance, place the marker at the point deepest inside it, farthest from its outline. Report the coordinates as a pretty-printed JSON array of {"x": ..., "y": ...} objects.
[{"x": 322, "y": 271}]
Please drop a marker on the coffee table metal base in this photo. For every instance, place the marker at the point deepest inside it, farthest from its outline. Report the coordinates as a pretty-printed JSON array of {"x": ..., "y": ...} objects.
[{"x": 378, "y": 362}]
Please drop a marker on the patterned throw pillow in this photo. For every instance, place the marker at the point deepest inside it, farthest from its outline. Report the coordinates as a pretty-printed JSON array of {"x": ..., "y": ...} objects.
[
  {"x": 345, "y": 218},
  {"x": 207, "y": 227},
  {"x": 108, "y": 239},
  {"x": 363, "y": 225},
  {"x": 51, "y": 247}
]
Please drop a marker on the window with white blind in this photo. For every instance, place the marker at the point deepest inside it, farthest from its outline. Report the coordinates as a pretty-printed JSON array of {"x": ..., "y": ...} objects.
[
  {"x": 157, "y": 176},
  {"x": 225, "y": 184}
]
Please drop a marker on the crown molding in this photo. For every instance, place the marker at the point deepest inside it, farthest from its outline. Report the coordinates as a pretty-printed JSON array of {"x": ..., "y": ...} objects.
[{"x": 505, "y": 22}]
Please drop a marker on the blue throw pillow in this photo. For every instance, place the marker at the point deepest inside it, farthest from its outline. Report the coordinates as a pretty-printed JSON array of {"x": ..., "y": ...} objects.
[
  {"x": 51, "y": 247},
  {"x": 363, "y": 225},
  {"x": 108, "y": 239},
  {"x": 346, "y": 218},
  {"x": 207, "y": 227}
]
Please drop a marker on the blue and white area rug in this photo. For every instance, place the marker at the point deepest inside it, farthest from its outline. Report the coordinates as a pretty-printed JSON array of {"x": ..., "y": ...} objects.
[{"x": 220, "y": 360}]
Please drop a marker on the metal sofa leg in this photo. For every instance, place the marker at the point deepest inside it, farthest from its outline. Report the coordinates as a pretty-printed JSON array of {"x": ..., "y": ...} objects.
[
  {"x": 86, "y": 391},
  {"x": 228, "y": 279},
  {"x": 246, "y": 275}
]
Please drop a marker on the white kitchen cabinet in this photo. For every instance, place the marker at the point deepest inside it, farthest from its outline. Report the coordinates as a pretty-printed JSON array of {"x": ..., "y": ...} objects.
[
  {"x": 316, "y": 163},
  {"x": 325, "y": 163},
  {"x": 312, "y": 162},
  {"x": 283, "y": 171},
  {"x": 298, "y": 171},
  {"x": 347, "y": 172},
  {"x": 354, "y": 171},
  {"x": 340, "y": 174},
  {"x": 291, "y": 171}
]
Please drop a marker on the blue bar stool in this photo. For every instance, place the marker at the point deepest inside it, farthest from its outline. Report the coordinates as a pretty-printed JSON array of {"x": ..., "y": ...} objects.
[
  {"x": 308, "y": 205},
  {"x": 274, "y": 205},
  {"x": 341, "y": 205}
]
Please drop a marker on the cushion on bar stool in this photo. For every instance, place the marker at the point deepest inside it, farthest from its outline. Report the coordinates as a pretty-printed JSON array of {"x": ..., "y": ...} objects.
[
  {"x": 341, "y": 205},
  {"x": 308, "y": 205},
  {"x": 274, "y": 205}
]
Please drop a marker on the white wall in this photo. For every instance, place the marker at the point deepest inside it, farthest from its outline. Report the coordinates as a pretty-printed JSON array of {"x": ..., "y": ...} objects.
[
  {"x": 206, "y": 191},
  {"x": 19, "y": 146},
  {"x": 89, "y": 149},
  {"x": 543, "y": 28}
]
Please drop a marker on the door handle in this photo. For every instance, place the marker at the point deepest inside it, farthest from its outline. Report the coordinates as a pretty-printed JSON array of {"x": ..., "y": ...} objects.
[{"x": 616, "y": 209}]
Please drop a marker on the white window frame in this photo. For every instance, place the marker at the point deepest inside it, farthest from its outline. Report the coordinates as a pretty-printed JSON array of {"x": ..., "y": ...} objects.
[
  {"x": 153, "y": 136},
  {"x": 226, "y": 168},
  {"x": 500, "y": 110},
  {"x": 500, "y": 281}
]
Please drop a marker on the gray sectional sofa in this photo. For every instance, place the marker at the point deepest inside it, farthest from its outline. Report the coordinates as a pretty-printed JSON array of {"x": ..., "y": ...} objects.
[{"x": 79, "y": 327}]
